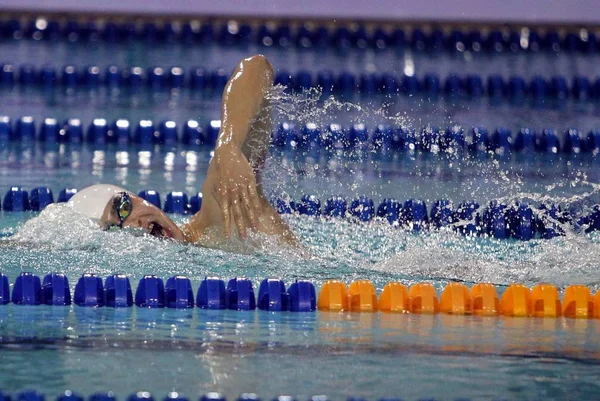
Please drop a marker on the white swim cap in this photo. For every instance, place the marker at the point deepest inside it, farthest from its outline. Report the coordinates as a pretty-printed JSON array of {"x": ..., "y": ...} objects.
[{"x": 92, "y": 200}]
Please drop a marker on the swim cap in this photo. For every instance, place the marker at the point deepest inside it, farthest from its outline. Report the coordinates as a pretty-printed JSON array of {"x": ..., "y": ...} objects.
[{"x": 92, "y": 200}]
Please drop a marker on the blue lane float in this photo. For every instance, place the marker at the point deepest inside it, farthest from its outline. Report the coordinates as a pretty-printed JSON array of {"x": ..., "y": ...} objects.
[
  {"x": 240, "y": 294},
  {"x": 179, "y": 293},
  {"x": 173, "y": 396},
  {"x": 344, "y": 83},
  {"x": 89, "y": 291},
  {"x": 141, "y": 396},
  {"x": 332, "y": 137},
  {"x": 30, "y": 395},
  {"x": 362, "y": 209},
  {"x": 150, "y": 292},
  {"x": 283, "y": 34},
  {"x": 309, "y": 205},
  {"x": 151, "y": 196},
  {"x": 40, "y": 198},
  {"x": 412, "y": 214},
  {"x": 49, "y": 131},
  {"x": 117, "y": 291},
  {"x": 272, "y": 296},
  {"x": 109, "y": 396},
  {"x": 212, "y": 294},
  {"x": 16, "y": 200},
  {"x": 69, "y": 396},
  {"x": 442, "y": 213},
  {"x": 335, "y": 206},
  {"x": 302, "y": 296},
  {"x": 6, "y": 131},
  {"x": 72, "y": 131},
  {"x": 55, "y": 289},
  {"x": 4, "y": 290},
  {"x": 390, "y": 210},
  {"x": 27, "y": 290},
  {"x": 65, "y": 194},
  {"x": 176, "y": 202},
  {"x": 196, "y": 203}
]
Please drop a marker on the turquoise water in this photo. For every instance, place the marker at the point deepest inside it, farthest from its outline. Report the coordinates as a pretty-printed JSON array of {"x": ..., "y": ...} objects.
[
  {"x": 347, "y": 354},
  {"x": 338, "y": 354}
]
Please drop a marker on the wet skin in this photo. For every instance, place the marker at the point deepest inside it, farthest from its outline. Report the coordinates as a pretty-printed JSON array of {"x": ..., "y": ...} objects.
[
  {"x": 233, "y": 201},
  {"x": 143, "y": 215}
]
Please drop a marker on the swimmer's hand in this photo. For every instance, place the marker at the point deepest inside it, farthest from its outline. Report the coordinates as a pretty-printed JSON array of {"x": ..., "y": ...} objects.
[{"x": 233, "y": 184}]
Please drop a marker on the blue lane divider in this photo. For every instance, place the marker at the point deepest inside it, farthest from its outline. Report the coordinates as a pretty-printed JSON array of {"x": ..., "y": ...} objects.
[
  {"x": 155, "y": 79},
  {"x": 335, "y": 206},
  {"x": 4, "y": 290},
  {"x": 89, "y": 291},
  {"x": 150, "y": 292},
  {"x": 55, "y": 290},
  {"x": 332, "y": 137},
  {"x": 343, "y": 36},
  {"x": 412, "y": 214},
  {"x": 212, "y": 294},
  {"x": 116, "y": 292},
  {"x": 272, "y": 295},
  {"x": 27, "y": 290},
  {"x": 302, "y": 297},
  {"x": 240, "y": 294},
  {"x": 30, "y": 395},
  {"x": 109, "y": 396},
  {"x": 150, "y": 196},
  {"x": 176, "y": 202},
  {"x": 16, "y": 200},
  {"x": 69, "y": 396},
  {"x": 65, "y": 194},
  {"x": 40, "y": 198},
  {"x": 518, "y": 221},
  {"x": 179, "y": 293}
]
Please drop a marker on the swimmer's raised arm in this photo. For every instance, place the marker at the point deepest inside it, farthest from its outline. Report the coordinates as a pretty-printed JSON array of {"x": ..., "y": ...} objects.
[
  {"x": 243, "y": 99},
  {"x": 233, "y": 199},
  {"x": 234, "y": 184}
]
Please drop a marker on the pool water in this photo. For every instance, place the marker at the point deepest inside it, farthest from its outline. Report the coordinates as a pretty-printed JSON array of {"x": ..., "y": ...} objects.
[{"x": 338, "y": 354}]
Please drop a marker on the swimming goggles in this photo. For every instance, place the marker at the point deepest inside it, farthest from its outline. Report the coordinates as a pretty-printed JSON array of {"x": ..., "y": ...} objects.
[{"x": 122, "y": 206}]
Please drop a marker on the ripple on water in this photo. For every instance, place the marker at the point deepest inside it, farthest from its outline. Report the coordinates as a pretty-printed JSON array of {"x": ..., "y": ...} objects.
[{"x": 338, "y": 249}]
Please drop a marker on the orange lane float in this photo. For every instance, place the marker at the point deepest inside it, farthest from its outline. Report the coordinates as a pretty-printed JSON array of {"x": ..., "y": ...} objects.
[
  {"x": 455, "y": 299},
  {"x": 545, "y": 300},
  {"x": 363, "y": 297},
  {"x": 596, "y": 302},
  {"x": 333, "y": 296},
  {"x": 516, "y": 301},
  {"x": 422, "y": 299},
  {"x": 484, "y": 300},
  {"x": 577, "y": 302},
  {"x": 394, "y": 298}
]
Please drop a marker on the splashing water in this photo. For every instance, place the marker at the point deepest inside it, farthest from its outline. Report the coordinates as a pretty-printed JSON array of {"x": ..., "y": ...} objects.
[
  {"x": 339, "y": 249},
  {"x": 58, "y": 240}
]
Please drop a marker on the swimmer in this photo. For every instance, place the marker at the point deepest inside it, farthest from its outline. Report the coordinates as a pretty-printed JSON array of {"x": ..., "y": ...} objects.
[{"x": 233, "y": 201}]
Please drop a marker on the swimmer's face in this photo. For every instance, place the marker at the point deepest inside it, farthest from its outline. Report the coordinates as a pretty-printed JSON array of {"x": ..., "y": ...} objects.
[{"x": 135, "y": 212}]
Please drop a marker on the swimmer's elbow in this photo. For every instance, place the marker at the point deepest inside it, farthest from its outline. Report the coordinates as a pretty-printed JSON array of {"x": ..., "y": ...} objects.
[{"x": 258, "y": 64}]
